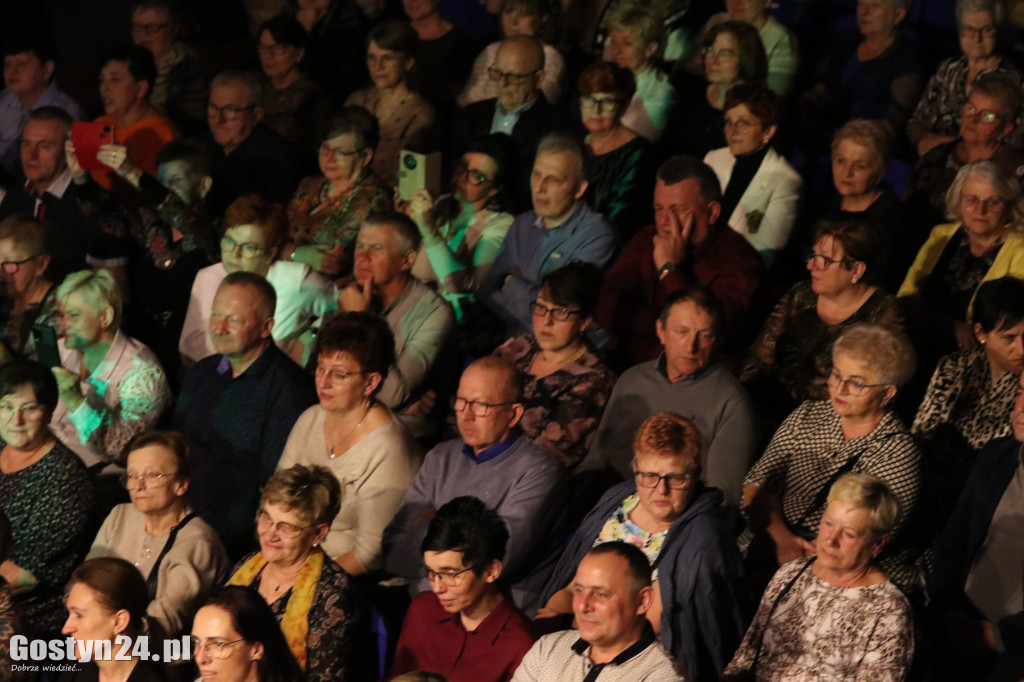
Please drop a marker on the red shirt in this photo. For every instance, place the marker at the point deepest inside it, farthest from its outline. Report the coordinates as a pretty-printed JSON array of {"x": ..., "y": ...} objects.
[{"x": 435, "y": 641}]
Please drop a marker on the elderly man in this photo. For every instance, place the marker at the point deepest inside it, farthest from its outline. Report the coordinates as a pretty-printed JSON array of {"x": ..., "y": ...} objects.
[
  {"x": 687, "y": 379},
  {"x": 28, "y": 75},
  {"x": 238, "y": 407},
  {"x": 560, "y": 229},
  {"x": 979, "y": 557},
  {"x": 256, "y": 159},
  {"x": 495, "y": 462},
  {"x": 520, "y": 109},
  {"x": 612, "y": 594},
  {"x": 386, "y": 249},
  {"x": 688, "y": 245}
]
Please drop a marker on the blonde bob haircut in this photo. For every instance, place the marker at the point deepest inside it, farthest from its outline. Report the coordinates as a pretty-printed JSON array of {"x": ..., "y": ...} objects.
[
  {"x": 875, "y": 136},
  {"x": 885, "y": 351},
  {"x": 1004, "y": 183},
  {"x": 312, "y": 492},
  {"x": 97, "y": 287},
  {"x": 871, "y": 493},
  {"x": 640, "y": 21}
]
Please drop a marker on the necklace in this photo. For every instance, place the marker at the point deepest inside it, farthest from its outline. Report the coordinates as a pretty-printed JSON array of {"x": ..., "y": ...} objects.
[
  {"x": 568, "y": 359},
  {"x": 330, "y": 453}
]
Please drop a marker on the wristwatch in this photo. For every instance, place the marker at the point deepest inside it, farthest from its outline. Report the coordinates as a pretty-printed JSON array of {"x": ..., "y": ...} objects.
[{"x": 666, "y": 268}]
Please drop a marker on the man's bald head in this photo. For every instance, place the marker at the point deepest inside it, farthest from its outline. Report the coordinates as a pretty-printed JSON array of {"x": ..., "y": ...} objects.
[{"x": 517, "y": 70}]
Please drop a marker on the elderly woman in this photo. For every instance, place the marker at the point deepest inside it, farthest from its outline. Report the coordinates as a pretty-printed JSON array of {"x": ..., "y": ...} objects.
[
  {"x": 325, "y": 215},
  {"x": 855, "y": 430},
  {"x": 312, "y": 598},
  {"x": 983, "y": 243},
  {"x": 935, "y": 119},
  {"x": 293, "y": 105},
  {"x": 680, "y": 525},
  {"x": 636, "y": 35},
  {"x": 621, "y": 168},
  {"x": 792, "y": 357},
  {"x": 761, "y": 191},
  {"x": 860, "y": 626},
  {"x": 30, "y": 296},
  {"x": 971, "y": 394},
  {"x": 45, "y": 493},
  {"x": 178, "y": 554},
  {"x": 254, "y": 232},
  {"x": 733, "y": 54},
  {"x": 235, "y": 638},
  {"x": 407, "y": 121},
  {"x": 355, "y": 437},
  {"x": 111, "y": 386},
  {"x": 464, "y": 231},
  {"x": 106, "y": 603},
  {"x": 566, "y": 385}
]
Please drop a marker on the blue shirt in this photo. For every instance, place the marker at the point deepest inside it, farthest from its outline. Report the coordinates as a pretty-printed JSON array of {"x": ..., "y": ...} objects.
[
  {"x": 13, "y": 117},
  {"x": 504, "y": 122},
  {"x": 487, "y": 454}
]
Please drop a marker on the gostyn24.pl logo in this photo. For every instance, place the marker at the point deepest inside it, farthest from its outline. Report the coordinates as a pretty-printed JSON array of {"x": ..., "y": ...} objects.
[{"x": 121, "y": 649}]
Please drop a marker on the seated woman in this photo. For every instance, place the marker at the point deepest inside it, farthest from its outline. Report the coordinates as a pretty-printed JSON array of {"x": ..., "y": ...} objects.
[
  {"x": 106, "y": 602},
  {"x": 178, "y": 554},
  {"x": 860, "y": 626},
  {"x": 111, "y": 386},
  {"x": 621, "y": 168},
  {"x": 636, "y": 36},
  {"x": 464, "y": 231},
  {"x": 988, "y": 116},
  {"x": 235, "y": 638},
  {"x": 733, "y": 54},
  {"x": 312, "y": 598},
  {"x": 355, "y": 437},
  {"x": 791, "y": 358},
  {"x": 972, "y": 393},
  {"x": 760, "y": 190},
  {"x": 855, "y": 430},
  {"x": 293, "y": 105},
  {"x": 30, "y": 295},
  {"x": 325, "y": 215},
  {"x": 566, "y": 385},
  {"x": 680, "y": 525},
  {"x": 936, "y": 118},
  {"x": 984, "y": 243},
  {"x": 46, "y": 494},
  {"x": 407, "y": 121},
  {"x": 462, "y": 551},
  {"x": 254, "y": 232}
]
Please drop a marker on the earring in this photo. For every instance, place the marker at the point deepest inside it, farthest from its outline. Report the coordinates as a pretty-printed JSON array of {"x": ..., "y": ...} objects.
[{"x": 855, "y": 280}]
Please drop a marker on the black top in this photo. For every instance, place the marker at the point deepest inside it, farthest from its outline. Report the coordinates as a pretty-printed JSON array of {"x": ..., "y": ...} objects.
[{"x": 743, "y": 172}]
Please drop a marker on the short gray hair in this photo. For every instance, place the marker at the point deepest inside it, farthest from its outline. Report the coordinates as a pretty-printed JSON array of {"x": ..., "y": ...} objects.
[
  {"x": 1005, "y": 184},
  {"x": 97, "y": 287},
  {"x": 884, "y": 350},
  {"x": 994, "y": 7},
  {"x": 869, "y": 492},
  {"x": 250, "y": 81},
  {"x": 563, "y": 143}
]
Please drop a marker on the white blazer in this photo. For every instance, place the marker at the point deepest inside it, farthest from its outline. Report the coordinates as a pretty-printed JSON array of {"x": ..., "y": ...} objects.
[{"x": 773, "y": 196}]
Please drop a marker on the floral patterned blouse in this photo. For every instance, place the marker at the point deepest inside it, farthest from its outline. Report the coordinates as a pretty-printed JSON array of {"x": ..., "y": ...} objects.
[
  {"x": 620, "y": 528},
  {"x": 946, "y": 93},
  {"x": 564, "y": 408}
]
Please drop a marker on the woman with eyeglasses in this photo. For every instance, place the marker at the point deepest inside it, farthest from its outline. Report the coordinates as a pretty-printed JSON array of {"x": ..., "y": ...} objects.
[
  {"x": 325, "y": 215},
  {"x": 681, "y": 526},
  {"x": 236, "y": 638},
  {"x": 463, "y": 231},
  {"x": 621, "y": 169},
  {"x": 255, "y": 230},
  {"x": 566, "y": 385},
  {"x": 854, "y": 430},
  {"x": 311, "y": 597},
  {"x": 106, "y": 607},
  {"x": 935, "y": 118},
  {"x": 407, "y": 120},
  {"x": 355, "y": 437},
  {"x": 791, "y": 358},
  {"x": 985, "y": 242},
  {"x": 45, "y": 492},
  {"x": 177, "y": 553},
  {"x": 31, "y": 297}
]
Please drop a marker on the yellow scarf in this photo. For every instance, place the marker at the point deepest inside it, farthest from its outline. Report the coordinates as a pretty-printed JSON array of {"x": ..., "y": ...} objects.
[{"x": 295, "y": 624}]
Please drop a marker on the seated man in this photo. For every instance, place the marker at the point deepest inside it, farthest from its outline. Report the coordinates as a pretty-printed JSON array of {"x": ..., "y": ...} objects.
[
  {"x": 494, "y": 461},
  {"x": 686, "y": 379},
  {"x": 464, "y": 629},
  {"x": 560, "y": 229},
  {"x": 28, "y": 75},
  {"x": 237, "y": 409},
  {"x": 688, "y": 245},
  {"x": 975, "y": 584},
  {"x": 612, "y": 594},
  {"x": 386, "y": 249}
]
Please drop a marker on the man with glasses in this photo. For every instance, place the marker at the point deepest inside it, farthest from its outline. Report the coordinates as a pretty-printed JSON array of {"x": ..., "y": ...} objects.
[
  {"x": 495, "y": 462},
  {"x": 256, "y": 159}
]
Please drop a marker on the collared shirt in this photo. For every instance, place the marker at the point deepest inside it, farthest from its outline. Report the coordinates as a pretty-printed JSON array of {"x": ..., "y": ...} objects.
[
  {"x": 487, "y": 454},
  {"x": 564, "y": 656},
  {"x": 57, "y": 188},
  {"x": 505, "y": 121},
  {"x": 582, "y": 648},
  {"x": 13, "y": 118},
  {"x": 663, "y": 370}
]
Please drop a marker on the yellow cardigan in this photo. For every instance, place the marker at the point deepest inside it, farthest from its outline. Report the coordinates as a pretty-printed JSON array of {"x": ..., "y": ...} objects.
[{"x": 1009, "y": 260}]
